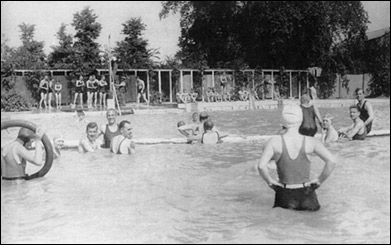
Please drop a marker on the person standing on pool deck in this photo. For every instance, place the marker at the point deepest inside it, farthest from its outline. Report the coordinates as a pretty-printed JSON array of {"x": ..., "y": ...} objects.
[
  {"x": 57, "y": 90},
  {"x": 44, "y": 90},
  {"x": 366, "y": 110},
  {"x": 357, "y": 131},
  {"x": 123, "y": 143},
  {"x": 310, "y": 113},
  {"x": 109, "y": 130},
  {"x": 14, "y": 155},
  {"x": 294, "y": 188},
  {"x": 79, "y": 90},
  {"x": 141, "y": 90}
]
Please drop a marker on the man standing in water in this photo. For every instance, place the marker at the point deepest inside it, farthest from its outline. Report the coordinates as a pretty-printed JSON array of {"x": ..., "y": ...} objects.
[
  {"x": 366, "y": 110},
  {"x": 294, "y": 189}
]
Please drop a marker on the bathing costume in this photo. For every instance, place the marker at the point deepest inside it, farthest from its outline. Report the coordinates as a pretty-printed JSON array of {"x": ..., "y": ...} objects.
[
  {"x": 91, "y": 88},
  {"x": 360, "y": 136},
  {"x": 223, "y": 81},
  {"x": 140, "y": 88},
  {"x": 118, "y": 149},
  {"x": 364, "y": 115},
  {"x": 58, "y": 88},
  {"x": 210, "y": 138},
  {"x": 45, "y": 87},
  {"x": 308, "y": 126},
  {"x": 79, "y": 86},
  {"x": 108, "y": 136},
  {"x": 103, "y": 88},
  {"x": 290, "y": 172}
]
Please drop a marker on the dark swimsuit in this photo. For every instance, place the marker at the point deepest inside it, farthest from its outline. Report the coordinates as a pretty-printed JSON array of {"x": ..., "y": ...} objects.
[
  {"x": 45, "y": 88},
  {"x": 79, "y": 89},
  {"x": 364, "y": 115},
  {"x": 308, "y": 126},
  {"x": 290, "y": 171},
  {"x": 360, "y": 136},
  {"x": 108, "y": 135}
]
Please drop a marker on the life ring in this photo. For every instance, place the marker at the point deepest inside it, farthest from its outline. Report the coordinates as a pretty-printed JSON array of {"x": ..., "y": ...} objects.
[{"x": 45, "y": 140}]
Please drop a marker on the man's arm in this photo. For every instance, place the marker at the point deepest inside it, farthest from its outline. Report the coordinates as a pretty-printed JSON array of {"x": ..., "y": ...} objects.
[
  {"x": 352, "y": 132},
  {"x": 132, "y": 147},
  {"x": 25, "y": 154},
  {"x": 267, "y": 156},
  {"x": 85, "y": 146},
  {"x": 317, "y": 114}
]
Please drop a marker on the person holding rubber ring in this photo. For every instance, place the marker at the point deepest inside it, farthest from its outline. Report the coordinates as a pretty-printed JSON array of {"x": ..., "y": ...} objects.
[{"x": 15, "y": 155}]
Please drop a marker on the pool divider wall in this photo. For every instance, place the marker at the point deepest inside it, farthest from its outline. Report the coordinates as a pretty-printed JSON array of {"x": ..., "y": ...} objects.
[{"x": 229, "y": 139}]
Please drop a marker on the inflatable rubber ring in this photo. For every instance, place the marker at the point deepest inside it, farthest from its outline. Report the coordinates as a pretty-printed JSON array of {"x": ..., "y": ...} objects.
[{"x": 45, "y": 140}]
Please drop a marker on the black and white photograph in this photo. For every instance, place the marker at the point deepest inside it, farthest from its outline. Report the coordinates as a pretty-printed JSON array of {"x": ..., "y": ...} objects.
[{"x": 195, "y": 122}]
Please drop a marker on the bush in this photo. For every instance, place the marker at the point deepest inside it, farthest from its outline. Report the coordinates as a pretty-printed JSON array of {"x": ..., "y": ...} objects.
[{"x": 12, "y": 100}]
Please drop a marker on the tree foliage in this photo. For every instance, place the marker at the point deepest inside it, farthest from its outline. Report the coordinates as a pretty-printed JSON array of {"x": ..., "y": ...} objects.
[
  {"x": 86, "y": 57},
  {"x": 272, "y": 34},
  {"x": 30, "y": 54},
  {"x": 378, "y": 65},
  {"x": 62, "y": 55},
  {"x": 133, "y": 51}
]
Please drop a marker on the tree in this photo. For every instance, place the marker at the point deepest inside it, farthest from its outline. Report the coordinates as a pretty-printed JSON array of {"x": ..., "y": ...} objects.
[
  {"x": 133, "y": 52},
  {"x": 378, "y": 65},
  {"x": 62, "y": 55},
  {"x": 272, "y": 34},
  {"x": 86, "y": 56},
  {"x": 30, "y": 55}
]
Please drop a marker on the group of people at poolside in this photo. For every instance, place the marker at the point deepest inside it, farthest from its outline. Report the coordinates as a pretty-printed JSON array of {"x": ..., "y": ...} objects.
[
  {"x": 93, "y": 87},
  {"x": 294, "y": 189},
  {"x": 46, "y": 89}
]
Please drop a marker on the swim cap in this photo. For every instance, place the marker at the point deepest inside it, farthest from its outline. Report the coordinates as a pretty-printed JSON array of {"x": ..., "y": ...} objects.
[
  {"x": 305, "y": 98},
  {"x": 292, "y": 116},
  {"x": 180, "y": 123}
]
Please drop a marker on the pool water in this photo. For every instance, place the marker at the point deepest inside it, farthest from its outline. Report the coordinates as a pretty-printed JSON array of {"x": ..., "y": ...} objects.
[{"x": 196, "y": 194}]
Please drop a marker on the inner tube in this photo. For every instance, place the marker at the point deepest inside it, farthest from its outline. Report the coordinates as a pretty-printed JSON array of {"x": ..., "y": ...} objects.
[{"x": 45, "y": 140}]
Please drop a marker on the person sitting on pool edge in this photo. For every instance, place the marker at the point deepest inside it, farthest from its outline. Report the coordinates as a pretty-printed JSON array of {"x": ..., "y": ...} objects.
[
  {"x": 109, "y": 130},
  {"x": 89, "y": 143},
  {"x": 14, "y": 155},
  {"x": 356, "y": 131},
  {"x": 294, "y": 188},
  {"x": 123, "y": 143}
]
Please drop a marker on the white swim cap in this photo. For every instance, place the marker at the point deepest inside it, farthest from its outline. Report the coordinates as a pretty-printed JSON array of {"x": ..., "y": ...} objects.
[{"x": 292, "y": 116}]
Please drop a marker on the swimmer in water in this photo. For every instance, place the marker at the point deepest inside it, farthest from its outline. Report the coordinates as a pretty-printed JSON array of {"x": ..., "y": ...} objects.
[
  {"x": 110, "y": 130},
  {"x": 356, "y": 131},
  {"x": 58, "y": 143},
  {"x": 89, "y": 143},
  {"x": 210, "y": 136},
  {"x": 123, "y": 143},
  {"x": 294, "y": 188},
  {"x": 329, "y": 134},
  {"x": 15, "y": 155}
]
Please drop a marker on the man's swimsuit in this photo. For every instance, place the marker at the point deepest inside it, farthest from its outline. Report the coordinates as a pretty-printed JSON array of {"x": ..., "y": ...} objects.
[
  {"x": 295, "y": 171},
  {"x": 364, "y": 115},
  {"x": 108, "y": 136}
]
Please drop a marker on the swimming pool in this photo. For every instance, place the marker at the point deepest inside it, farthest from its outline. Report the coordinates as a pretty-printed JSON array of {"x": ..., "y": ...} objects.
[{"x": 196, "y": 193}]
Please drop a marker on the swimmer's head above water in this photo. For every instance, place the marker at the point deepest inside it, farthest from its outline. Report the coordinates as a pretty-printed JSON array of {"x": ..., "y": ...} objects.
[
  {"x": 292, "y": 116},
  {"x": 25, "y": 135}
]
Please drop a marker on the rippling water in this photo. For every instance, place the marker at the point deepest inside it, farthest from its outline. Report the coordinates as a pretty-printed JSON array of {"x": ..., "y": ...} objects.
[{"x": 196, "y": 194}]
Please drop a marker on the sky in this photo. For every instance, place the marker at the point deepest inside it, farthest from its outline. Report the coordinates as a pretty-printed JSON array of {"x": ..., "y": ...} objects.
[{"x": 161, "y": 34}]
